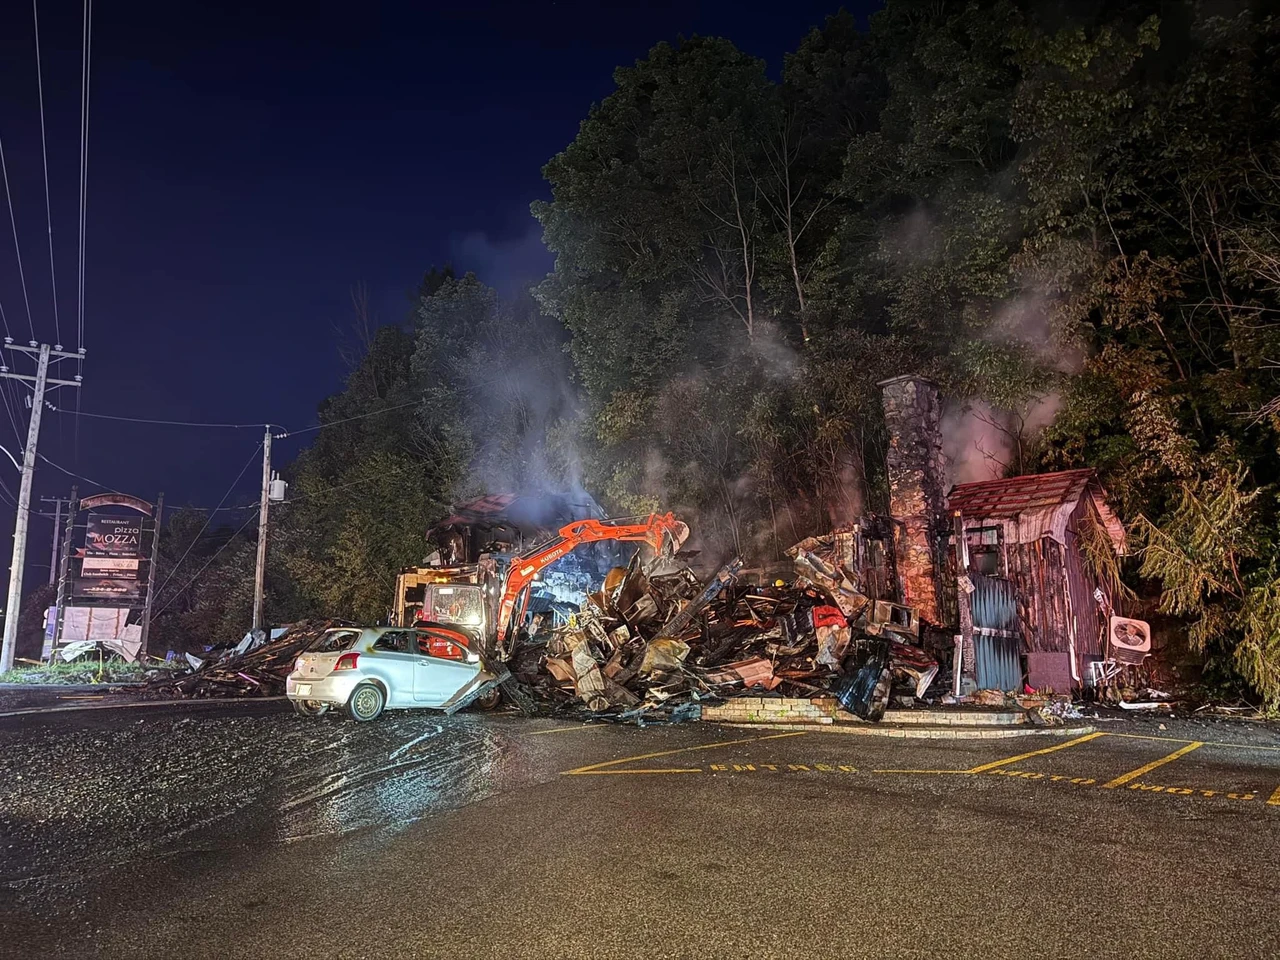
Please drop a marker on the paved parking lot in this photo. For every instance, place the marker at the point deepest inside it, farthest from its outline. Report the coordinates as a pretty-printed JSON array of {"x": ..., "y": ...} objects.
[
  {"x": 248, "y": 832},
  {"x": 1148, "y": 764}
]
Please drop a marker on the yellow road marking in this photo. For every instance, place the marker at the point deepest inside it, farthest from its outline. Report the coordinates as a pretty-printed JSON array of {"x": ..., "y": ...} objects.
[
  {"x": 585, "y": 726},
  {"x": 614, "y": 773},
  {"x": 1207, "y": 743},
  {"x": 1275, "y": 799},
  {"x": 594, "y": 767},
  {"x": 1134, "y": 774},
  {"x": 922, "y": 771},
  {"x": 1034, "y": 753}
]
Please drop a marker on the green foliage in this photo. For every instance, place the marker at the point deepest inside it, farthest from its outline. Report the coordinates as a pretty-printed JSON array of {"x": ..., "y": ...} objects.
[{"x": 1070, "y": 219}]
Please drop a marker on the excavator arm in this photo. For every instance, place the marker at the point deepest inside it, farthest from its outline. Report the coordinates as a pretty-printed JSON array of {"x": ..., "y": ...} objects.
[{"x": 655, "y": 531}]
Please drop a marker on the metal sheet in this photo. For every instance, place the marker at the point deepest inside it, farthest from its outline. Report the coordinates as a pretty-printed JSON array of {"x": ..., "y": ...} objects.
[{"x": 996, "y": 663}]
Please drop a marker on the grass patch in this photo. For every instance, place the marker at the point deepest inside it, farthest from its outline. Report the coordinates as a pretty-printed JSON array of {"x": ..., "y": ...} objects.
[{"x": 88, "y": 670}]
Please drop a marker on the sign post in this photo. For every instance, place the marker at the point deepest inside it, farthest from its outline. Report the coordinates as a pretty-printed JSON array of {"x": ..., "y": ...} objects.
[{"x": 151, "y": 574}]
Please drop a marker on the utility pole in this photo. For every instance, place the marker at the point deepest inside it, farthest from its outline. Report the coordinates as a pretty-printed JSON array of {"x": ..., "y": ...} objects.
[
  {"x": 64, "y": 571},
  {"x": 260, "y": 569},
  {"x": 43, "y": 352},
  {"x": 57, "y": 534},
  {"x": 157, "y": 518}
]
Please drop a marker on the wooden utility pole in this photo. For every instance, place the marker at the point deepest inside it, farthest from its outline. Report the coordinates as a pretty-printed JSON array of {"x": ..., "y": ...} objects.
[
  {"x": 64, "y": 571},
  {"x": 157, "y": 517},
  {"x": 264, "y": 505},
  {"x": 57, "y": 535},
  {"x": 43, "y": 352}
]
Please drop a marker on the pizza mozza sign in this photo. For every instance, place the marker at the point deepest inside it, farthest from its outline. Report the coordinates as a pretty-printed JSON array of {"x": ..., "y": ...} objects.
[
  {"x": 112, "y": 547},
  {"x": 113, "y": 536}
]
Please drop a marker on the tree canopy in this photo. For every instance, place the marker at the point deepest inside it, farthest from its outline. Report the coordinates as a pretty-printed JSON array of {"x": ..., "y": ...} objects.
[{"x": 1068, "y": 215}]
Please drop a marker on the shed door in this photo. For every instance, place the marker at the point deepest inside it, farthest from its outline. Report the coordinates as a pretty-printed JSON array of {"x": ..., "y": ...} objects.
[
  {"x": 997, "y": 663},
  {"x": 996, "y": 645}
]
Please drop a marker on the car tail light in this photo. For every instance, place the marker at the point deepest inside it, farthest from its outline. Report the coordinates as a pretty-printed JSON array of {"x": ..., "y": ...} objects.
[
  {"x": 445, "y": 649},
  {"x": 347, "y": 662}
]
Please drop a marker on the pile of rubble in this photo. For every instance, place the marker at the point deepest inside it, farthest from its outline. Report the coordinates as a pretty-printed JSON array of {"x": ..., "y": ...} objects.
[
  {"x": 255, "y": 667},
  {"x": 658, "y": 641}
]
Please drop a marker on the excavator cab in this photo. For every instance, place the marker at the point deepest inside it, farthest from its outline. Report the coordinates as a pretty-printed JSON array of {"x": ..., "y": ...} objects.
[{"x": 456, "y": 603}]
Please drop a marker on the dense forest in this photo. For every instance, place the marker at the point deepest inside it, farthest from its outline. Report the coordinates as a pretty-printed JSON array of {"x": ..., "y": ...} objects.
[{"x": 1067, "y": 214}]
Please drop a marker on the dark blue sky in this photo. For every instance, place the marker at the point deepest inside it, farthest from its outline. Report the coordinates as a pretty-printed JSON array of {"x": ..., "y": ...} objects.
[{"x": 250, "y": 162}]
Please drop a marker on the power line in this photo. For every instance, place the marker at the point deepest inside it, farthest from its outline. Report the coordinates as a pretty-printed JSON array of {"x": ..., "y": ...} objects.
[
  {"x": 334, "y": 423},
  {"x": 168, "y": 423},
  {"x": 86, "y": 55},
  {"x": 44, "y": 152},
  {"x": 209, "y": 519},
  {"x": 196, "y": 575},
  {"x": 355, "y": 483},
  {"x": 17, "y": 249},
  {"x": 72, "y": 473}
]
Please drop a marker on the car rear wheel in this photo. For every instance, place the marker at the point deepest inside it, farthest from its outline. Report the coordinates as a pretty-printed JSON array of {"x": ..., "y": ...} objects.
[
  {"x": 366, "y": 703},
  {"x": 488, "y": 700},
  {"x": 310, "y": 708}
]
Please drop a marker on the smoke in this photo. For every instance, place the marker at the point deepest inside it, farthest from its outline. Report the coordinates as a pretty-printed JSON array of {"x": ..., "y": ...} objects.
[
  {"x": 510, "y": 264},
  {"x": 984, "y": 442},
  {"x": 776, "y": 358},
  {"x": 1026, "y": 323}
]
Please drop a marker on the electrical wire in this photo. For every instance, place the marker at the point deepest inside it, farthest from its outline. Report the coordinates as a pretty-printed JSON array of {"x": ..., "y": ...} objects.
[
  {"x": 209, "y": 519},
  {"x": 77, "y": 476},
  {"x": 196, "y": 575},
  {"x": 17, "y": 249},
  {"x": 169, "y": 423},
  {"x": 6, "y": 386},
  {"x": 86, "y": 57},
  {"x": 86, "y": 47},
  {"x": 44, "y": 152},
  {"x": 334, "y": 423},
  {"x": 355, "y": 483}
]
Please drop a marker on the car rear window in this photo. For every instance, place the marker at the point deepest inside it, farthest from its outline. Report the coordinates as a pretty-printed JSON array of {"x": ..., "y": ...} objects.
[{"x": 334, "y": 641}]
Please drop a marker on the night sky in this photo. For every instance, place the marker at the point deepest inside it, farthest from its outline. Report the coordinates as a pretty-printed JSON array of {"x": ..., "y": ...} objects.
[{"x": 249, "y": 163}]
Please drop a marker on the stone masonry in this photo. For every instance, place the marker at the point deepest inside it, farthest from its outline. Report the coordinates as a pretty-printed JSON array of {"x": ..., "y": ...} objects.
[{"x": 917, "y": 498}]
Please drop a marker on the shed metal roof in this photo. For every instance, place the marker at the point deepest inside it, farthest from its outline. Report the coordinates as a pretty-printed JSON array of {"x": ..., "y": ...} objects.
[{"x": 1036, "y": 505}]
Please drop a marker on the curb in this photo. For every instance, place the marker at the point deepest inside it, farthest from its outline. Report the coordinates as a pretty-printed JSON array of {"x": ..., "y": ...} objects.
[
  {"x": 138, "y": 704},
  {"x": 918, "y": 732},
  {"x": 72, "y": 687}
]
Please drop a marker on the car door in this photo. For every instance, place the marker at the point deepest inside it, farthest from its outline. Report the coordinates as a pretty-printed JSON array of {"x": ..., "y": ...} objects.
[
  {"x": 444, "y": 664},
  {"x": 393, "y": 663}
]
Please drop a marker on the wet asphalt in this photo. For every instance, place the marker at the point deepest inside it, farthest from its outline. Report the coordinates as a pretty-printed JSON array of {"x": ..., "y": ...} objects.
[{"x": 243, "y": 831}]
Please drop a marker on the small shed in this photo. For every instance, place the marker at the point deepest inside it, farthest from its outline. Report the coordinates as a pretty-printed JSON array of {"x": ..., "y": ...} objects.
[{"x": 1038, "y": 557}]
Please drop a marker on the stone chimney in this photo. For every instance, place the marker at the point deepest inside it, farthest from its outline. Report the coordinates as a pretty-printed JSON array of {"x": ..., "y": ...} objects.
[{"x": 917, "y": 497}]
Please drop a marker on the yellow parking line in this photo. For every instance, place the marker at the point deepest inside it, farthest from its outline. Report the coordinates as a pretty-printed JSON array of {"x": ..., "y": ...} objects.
[
  {"x": 1275, "y": 799},
  {"x": 585, "y": 726},
  {"x": 592, "y": 768},
  {"x": 614, "y": 773},
  {"x": 1034, "y": 753},
  {"x": 1207, "y": 743},
  {"x": 921, "y": 771},
  {"x": 1134, "y": 774}
]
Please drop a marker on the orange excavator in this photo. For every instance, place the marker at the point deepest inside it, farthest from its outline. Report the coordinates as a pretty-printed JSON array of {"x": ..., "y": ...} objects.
[{"x": 489, "y": 598}]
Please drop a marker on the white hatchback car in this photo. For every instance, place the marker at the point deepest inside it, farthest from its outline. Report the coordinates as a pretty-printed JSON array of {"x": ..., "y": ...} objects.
[{"x": 369, "y": 669}]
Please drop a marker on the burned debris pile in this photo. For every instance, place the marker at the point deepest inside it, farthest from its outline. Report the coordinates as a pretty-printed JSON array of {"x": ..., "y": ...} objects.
[
  {"x": 656, "y": 641},
  {"x": 255, "y": 667}
]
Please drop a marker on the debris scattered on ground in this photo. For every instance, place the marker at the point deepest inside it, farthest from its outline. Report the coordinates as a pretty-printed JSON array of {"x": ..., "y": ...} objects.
[
  {"x": 255, "y": 667},
  {"x": 657, "y": 641}
]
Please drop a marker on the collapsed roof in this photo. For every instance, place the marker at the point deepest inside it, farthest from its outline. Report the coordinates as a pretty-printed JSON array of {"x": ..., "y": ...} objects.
[{"x": 1036, "y": 505}]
